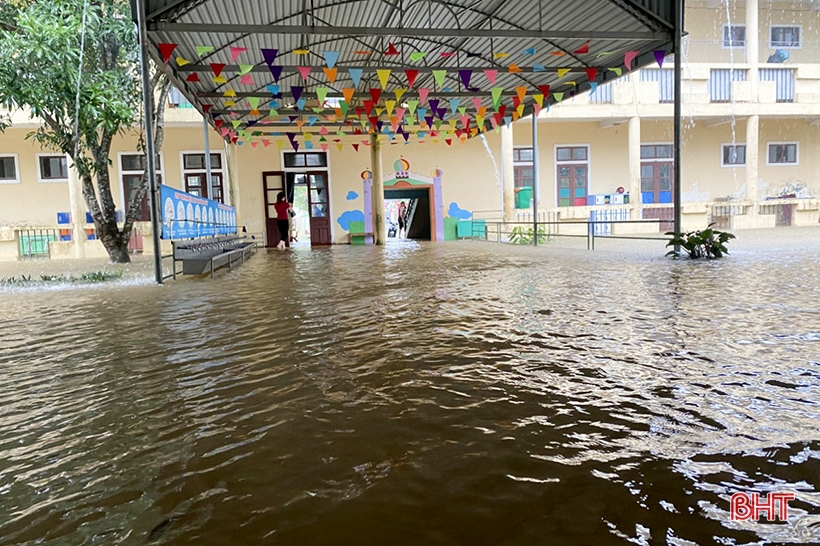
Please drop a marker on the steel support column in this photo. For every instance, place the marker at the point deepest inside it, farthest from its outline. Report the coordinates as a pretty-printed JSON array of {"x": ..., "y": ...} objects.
[
  {"x": 536, "y": 180},
  {"x": 677, "y": 115},
  {"x": 150, "y": 152}
]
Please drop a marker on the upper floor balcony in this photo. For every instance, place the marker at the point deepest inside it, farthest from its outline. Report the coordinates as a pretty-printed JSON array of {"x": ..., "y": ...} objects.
[{"x": 770, "y": 88}]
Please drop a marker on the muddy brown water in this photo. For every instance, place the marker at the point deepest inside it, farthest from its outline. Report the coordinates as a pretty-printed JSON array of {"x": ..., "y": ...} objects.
[{"x": 417, "y": 394}]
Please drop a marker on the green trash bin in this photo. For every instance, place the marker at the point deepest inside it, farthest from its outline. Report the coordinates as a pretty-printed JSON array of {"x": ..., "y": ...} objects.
[{"x": 523, "y": 198}]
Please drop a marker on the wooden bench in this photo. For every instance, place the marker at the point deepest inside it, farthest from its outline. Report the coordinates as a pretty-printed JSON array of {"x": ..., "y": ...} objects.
[
  {"x": 203, "y": 256},
  {"x": 360, "y": 237}
]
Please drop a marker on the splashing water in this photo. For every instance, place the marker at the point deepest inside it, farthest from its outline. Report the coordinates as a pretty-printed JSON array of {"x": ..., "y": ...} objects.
[
  {"x": 732, "y": 98},
  {"x": 497, "y": 172}
]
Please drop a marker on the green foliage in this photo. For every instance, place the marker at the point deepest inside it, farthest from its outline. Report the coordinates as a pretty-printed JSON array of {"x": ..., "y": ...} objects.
[
  {"x": 522, "y": 236},
  {"x": 92, "y": 277},
  {"x": 40, "y": 44},
  {"x": 709, "y": 243}
]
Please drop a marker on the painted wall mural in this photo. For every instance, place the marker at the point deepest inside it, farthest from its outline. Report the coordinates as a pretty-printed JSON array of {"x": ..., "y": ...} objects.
[{"x": 457, "y": 212}]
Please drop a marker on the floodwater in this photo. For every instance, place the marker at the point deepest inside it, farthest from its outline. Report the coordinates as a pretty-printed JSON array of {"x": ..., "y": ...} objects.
[{"x": 418, "y": 394}]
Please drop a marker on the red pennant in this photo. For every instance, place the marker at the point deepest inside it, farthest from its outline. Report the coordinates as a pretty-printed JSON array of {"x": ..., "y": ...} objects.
[
  {"x": 391, "y": 50},
  {"x": 502, "y": 110},
  {"x": 545, "y": 90},
  {"x": 166, "y": 50},
  {"x": 449, "y": 141},
  {"x": 368, "y": 106},
  {"x": 356, "y": 147},
  {"x": 217, "y": 68},
  {"x": 516, "y": 102},
  {"x": 192, "y": 77},
  {"x": 375, "y": 94},
  {"x": 360, "y": 110},
  {"x": 447, "y": 53},
  {"x": 218, "y": 123},
  {"x": 591, "y": 73},
  {"x": 207, "y": 107},
  {"x": 583, "y": 49},
  {"x": 411, "y": 77}
]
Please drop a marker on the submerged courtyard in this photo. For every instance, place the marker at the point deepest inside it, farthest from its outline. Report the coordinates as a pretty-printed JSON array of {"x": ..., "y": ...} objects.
[{"x": 418, "y": 393}]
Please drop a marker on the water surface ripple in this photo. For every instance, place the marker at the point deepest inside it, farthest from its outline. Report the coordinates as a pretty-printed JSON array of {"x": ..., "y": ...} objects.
[{"x": 416, "y": 394}]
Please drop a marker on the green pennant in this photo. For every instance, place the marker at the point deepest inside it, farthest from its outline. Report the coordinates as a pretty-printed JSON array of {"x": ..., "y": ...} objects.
[
  {"x": 321, "y": 92},
  {"x": 438, "y": 123},
  {"x": 202, "y": 50},
  {"x": 416, "y": 56},
  {"x": 462, "y": 110},
  {"x": 439, "y": 76},
  {"x": 254, "y": 102},
  {"x": 245, "y": 68},
  {"x": 558, "y": 96},
  {"x": 496, "y": 92},
  {"x": 317, "y": 110},
  {"x": 343, "y": 107},
  {"x": 412, "y": 105},
  {"x": 235, "y": 123}
]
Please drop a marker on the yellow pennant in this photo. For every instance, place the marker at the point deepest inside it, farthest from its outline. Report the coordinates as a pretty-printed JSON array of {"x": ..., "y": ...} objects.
[
  {"x": 390, "y": 104},
  {"x": 229, "y": 93},
  {"x": 400, "y": 93},
  {"x": 563, "y": 72},
  {"x": 384, "y": 75},
  {"x": 182, "y": 62},
  {"x": 219, "y": 79}
]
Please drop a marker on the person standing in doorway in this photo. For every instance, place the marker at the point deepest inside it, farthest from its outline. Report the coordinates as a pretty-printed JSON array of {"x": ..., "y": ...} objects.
[
  {"x": 402, "y": 220},
  {"x": 283, "y": 209}
]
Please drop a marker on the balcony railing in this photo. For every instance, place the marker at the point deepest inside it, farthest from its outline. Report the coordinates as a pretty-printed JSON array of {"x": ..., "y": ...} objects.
[
  {"x": 720, "y": 83},
  {"x": 784, "y": 82}
]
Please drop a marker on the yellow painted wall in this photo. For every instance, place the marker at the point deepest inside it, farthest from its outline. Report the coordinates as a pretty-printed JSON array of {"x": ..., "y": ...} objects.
[
  {"x": 777, "y": 179},
  {"x": 705, "y": 27},
  {"x": 608, "y": 154},
  {"x": 33, "y": 203},
  {"x": 469, "y": 176}
]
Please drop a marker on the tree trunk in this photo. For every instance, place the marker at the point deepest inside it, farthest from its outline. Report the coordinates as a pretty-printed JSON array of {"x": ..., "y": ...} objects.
[{"x": 158, "y": 121}]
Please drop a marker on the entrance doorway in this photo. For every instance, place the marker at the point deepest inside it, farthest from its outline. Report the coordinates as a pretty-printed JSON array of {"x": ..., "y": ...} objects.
[
  {"x": 312, "y": 212},
  {"x": 418, "y": 217}
]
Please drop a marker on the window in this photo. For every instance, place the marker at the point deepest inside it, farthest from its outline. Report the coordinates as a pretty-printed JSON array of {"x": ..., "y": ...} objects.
[
  {"x": 785, "y": 36},
  {"x": 194, "y": 174},
  {"x": 52, "y": 168},
  {"x": 293, "y": 160},
  {"x": 720, "y": 83},
  {"x": 734, "y": 36},
  {"x": 575, "y": 153},
  {"x": 782, "y": 153},
  {"x": 572, "y": 175},
  {"x": 522, "y": 155},
  {"x": 656, "y": 151},
  {"x": 132, "y": 166},
  {"x": 666, "y": 82},
  {"x": 523, "y": 167},
  {"x": 656, "y": 173},
  {"x": 733, "y": 155},
  {"x": 8, "y": 169}
]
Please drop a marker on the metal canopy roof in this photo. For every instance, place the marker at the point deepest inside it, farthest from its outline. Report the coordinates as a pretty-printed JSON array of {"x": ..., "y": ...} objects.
[{"x": 530, "y": 43}]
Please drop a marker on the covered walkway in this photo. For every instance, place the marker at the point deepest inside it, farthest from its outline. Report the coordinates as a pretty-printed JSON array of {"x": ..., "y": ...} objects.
[{"x": 367, "y": 72}]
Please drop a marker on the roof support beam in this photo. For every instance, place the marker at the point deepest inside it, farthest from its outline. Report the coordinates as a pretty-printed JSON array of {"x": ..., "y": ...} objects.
[{"x": 410, "y": 32}]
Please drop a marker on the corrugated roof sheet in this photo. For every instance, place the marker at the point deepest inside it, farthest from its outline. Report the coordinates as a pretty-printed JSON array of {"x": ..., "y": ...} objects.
[{"x": 453, "y": 34}]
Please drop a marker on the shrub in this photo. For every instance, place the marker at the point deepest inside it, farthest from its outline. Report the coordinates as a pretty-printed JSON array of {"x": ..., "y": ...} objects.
[{"x": 709, "y": 243}]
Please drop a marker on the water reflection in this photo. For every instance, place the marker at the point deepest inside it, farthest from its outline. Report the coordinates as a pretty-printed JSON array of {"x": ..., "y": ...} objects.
[{"x": 415, "y": 394}]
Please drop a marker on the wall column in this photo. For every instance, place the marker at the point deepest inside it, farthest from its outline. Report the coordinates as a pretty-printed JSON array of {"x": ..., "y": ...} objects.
[
  {"x": 76, "y": 203},
  {"x": 635, "y": 166},
  {"x": 752, "y": 48},
  {"x": 752, "y": 159},
  {"x": 379, "y": 228},
  {"x": 508, "y": 171}
]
